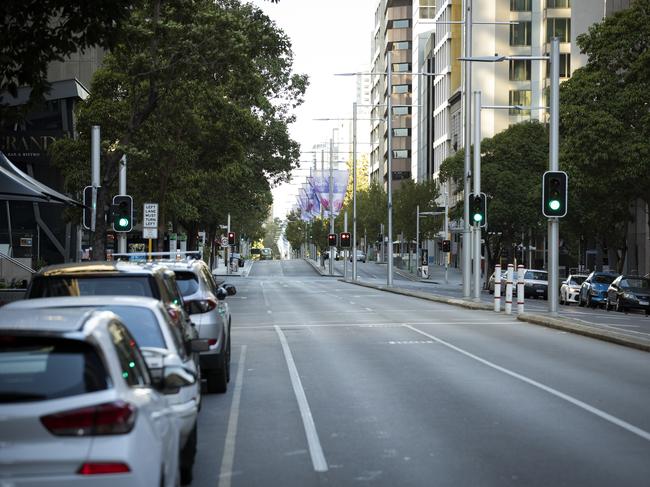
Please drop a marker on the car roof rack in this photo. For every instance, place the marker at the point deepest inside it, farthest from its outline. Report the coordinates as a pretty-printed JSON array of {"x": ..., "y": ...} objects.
[{"x": 177, "y": 255}]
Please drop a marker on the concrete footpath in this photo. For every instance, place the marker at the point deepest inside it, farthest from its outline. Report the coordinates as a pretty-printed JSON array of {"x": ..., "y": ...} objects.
[{"x": 454, "y": 282}]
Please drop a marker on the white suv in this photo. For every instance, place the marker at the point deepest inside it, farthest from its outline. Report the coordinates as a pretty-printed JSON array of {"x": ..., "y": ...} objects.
[{"x": 77, "y": 406}]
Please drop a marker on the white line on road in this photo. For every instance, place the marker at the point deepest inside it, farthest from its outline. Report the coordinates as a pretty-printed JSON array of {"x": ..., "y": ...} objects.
[
  {"x": 315, "y": 449},
  {"x": 228, "y": 458},
  {"x": 576, "y": 402}
]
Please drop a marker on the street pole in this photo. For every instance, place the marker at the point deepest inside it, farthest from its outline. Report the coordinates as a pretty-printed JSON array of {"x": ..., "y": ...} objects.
[
  {"x": 121, "y": 242},
  {"x": 417, "y": 237},
  {"x": 476, "y": 176},
  {"x": 467, "y": 259},
  {"x": 227, "y": 249},
  {"x": 354, "y": 191},
  {"x": 332, "y": 249},
  {"x": 345, "y": 252},
  {"x": 554, "y": 223},
  {"x": 447, "y": 254},
  {"x": 95, "y": 147},
  {"x": 389, "y": 273}
]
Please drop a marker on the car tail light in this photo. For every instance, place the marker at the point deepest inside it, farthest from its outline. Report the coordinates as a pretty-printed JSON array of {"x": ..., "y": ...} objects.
[
  {"x": 112, "y": 418},
  {"x": 212, "y": 341},
  {"x": 174, "y": 314},
  {"x": 207, "y": 305},
  {"x": 103, "y": 468}
]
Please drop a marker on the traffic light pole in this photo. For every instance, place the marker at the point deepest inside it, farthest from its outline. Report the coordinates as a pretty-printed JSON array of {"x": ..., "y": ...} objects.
[
  {"x": 477, "y": 191},
  {"x": 332, "y": 249},
  {"x": 554, "y": 223},
  {"x": 121, "y": 239}
]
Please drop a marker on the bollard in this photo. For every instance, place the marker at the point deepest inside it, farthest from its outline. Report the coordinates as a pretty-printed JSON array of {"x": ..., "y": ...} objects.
[
  {"x": 509, "y": 289},
  {"x": 520, "y": 288},
  {"x": 497, "y": 288}
]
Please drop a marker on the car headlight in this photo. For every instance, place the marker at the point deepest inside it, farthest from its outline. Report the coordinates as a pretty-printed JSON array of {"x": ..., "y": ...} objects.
[
  {"x": 630, "y": 297},
  {"x": 574, "y": 289}
]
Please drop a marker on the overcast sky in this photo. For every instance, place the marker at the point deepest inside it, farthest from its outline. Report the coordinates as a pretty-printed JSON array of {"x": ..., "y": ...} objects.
[{"x": 328, "y": 36}]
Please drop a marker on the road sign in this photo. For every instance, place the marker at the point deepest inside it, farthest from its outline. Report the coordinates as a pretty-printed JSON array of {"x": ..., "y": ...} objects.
[
  {"x": 224, "y": 241},
  {"x": 150, "y": 215},
  {"x": 149, "y": 232}
]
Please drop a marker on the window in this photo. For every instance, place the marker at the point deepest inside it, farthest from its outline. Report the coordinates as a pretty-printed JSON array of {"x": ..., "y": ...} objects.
[
  {"x": 401, "y": 132},
  {"x": 558, "y": 28},
  {"x": 520, "y": 5},
  {"x": 565, "y": 66},
  {"x": 520, "y": 97},
  {"x": 400, "y": 24},
  {"x": 401, "y": 89},
  {"x": 558, "y": 4},
  {"x": 520, "y": 70},
  {"x": 401, "y": 67},
  {"x": 142, "y": 323},
  {"x": 400, "y": 154},
  {"x": 187, "y": 283},
  {"x": 427, "y": 9},
  {"x": 401, "y": 46},
  {"x": 401, "y": 110},
  {"x": 134, "y": 369},
  {"x": 520, "y": 34}
]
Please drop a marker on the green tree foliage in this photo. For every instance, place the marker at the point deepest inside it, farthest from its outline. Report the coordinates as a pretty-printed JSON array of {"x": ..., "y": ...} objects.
[
  {"x": 35, "y": 33},
  {"x": 199, "y": 96},
  {"x": 605, "y": 126},
  {"x": 406, "y": 199},
  {"x": 512, "y": 164}
]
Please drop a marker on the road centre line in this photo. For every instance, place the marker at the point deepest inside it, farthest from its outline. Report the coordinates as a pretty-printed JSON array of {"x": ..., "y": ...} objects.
[
  {"x": 228, "y": 458},
  {"x": 576, "y": 402},
  {"x": 315, "y": 449}
]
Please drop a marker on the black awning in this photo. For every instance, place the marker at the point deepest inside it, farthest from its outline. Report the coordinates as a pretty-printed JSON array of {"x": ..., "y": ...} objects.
[{"x": 15, "y": 185}]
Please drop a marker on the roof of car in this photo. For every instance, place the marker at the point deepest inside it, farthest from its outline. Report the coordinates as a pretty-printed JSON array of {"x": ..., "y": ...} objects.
[
  {"x": 181, "y": 264},
  {"x": 47, "y": 320},
  {"x": 96, "y": 267},
  {"x": 83, "y": 301}
]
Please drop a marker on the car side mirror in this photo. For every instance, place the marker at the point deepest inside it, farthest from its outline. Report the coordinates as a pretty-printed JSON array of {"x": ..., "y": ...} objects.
[
  {"x": 175, "y": 375},
  {"x": 230, "y": 289},
  {"x": 221, "y": 293}
]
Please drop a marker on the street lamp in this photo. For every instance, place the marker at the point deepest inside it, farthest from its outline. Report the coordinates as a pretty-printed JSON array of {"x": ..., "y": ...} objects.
[{"x": 554, "y": 112}]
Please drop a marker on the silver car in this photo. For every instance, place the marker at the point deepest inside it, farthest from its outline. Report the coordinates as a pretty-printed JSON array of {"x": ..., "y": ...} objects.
[
  {"x": 205, "y": 302},
  {"x": 160, "y": 341}
]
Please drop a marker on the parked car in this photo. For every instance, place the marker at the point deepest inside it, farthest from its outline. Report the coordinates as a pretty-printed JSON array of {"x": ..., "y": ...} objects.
[
  {"x": 113, "y": 279},
  {"x": 570, "y": 288},
  {"x": 361, "y": 257},
  {"x": 535, "y": 283},
  {"x": 78, "y": 406},
  {"x": 491, "y": 281},
  {"x": 593, "y": 290},
  {"x": 629, "y": 292},
  {"x": 160, "y": 342},
  {"x": 208, "y": 310}
]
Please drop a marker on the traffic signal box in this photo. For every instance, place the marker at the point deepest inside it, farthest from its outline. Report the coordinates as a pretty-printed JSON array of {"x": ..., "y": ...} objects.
[
  {"x": 231, "y": 238},
  {"x": 331, "y": 239},
  {"x": 88, "y": 207},
  {"x": 478, "y": 209},
  {"x": 554, "y": 194},
  {"x": 122, "y": 213},
  {"x": 446, "y": 246},
  {"x": 345, "y": 240}
]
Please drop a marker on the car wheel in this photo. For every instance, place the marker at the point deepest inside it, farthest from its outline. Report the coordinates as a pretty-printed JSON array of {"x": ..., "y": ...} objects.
[
  {"x": 607, "y": 305},
  {"x": 619, "y": 307},
  {"x": 188, "y": 453},
  {"x": 562, "y": 300},
  {"x": 228, "y": 362},
  {"x": 218, "y": 379},
  {"x": 590, "y": 303},
  {"x": 580, "y": 301}
]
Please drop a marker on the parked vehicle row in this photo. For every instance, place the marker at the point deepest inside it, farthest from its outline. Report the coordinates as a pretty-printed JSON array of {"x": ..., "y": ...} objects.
[
  {"x": 535, "y": 283},
  {"x": 613, "y": 291},
  {"x": 103, "y": 361}
]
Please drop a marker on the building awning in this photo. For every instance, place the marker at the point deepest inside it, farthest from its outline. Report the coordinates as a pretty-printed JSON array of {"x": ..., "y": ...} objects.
[
  {"x": 15, "y": 185},
  {"x": 59, "y": 90}
]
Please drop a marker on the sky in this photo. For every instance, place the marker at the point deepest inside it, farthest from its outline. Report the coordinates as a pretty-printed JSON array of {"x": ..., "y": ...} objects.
[{"x": 328, "y": 37}]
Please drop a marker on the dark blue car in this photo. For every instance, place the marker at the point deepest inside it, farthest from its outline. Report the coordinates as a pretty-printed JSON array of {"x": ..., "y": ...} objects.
[{"x": 593, "y": 291}]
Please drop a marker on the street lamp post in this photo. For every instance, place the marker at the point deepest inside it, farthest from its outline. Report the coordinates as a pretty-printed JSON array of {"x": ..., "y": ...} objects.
[
  {"x": 354, "y": 192},
  {"x": 389, "y": 146},
  {"x": 468, "y": 140},
  {"x": 477, "y": 190}
]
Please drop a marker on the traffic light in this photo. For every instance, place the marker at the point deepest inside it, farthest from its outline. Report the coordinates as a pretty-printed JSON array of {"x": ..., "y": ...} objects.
[
  {"x": 554, "y": 193},
  {"x": 345, "y": 240},
  {"x": 478, "y": 213},
  {"x": 331, "y": 239},
  {"x": 231, "y": 238},
  {"x": 446, "y": 245},
  {"x": 122, "y": 213},
  {"x": 88, "y": 207}
]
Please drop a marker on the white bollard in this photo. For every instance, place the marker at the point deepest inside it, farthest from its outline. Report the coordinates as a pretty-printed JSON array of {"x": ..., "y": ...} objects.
[
  {"x": 509, "y": 289},
  {"x": 497, "y": 288},
  {"x": 520, "y": 288}
]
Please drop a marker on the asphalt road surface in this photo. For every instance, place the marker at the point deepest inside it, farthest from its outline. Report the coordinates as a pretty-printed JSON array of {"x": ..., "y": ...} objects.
[{"x": 335, "y": 384}]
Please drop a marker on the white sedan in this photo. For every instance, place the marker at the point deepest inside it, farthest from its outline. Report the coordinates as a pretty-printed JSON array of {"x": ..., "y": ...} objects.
[
  {"x": 77, "y": 405},
  {"x": 570, "y": 289}
]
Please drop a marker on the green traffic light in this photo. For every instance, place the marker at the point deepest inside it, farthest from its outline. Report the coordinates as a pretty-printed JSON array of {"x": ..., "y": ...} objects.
[
  {"x": 554, "y": 205},
  {"x": 478, "y": 217},
  {"x": 123, "y": 222}
]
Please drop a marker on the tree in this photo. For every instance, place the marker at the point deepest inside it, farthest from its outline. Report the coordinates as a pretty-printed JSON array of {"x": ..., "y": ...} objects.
[
  {"x": 36, "y": 33},
  {"x": 512, "y": 164},
  {"x": 605, "y": 126},
  {"x": 407, "y": 198}
]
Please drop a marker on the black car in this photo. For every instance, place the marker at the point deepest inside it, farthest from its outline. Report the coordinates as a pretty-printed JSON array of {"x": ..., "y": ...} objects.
[{"x": 629, "y": 292}]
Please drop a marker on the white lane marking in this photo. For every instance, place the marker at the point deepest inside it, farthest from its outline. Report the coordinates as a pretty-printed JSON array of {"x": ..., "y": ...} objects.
[
  {"x": 228, "y": 458},
  {"x": 325, "y": 324},
  {"x": 368, "y": 309},
  {"x": 315, "y": 449},
  {"x": 269, "y": 311},
  {"x": 266, "y": 300},
  {"x": 351, "y": 302},
  {"x": 576, "y": 402}
]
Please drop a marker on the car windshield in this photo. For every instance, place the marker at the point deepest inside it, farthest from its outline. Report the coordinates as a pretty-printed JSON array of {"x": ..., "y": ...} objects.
[
  {"x": 639, "y": 283},
  {"x": 187, "y": 282},
  {"x": 116, "y": 285},
  {"x": 536, "y": 275},
  {"x": 577, "y": 280},
  {"x": 142, "y": 323},
  {"x": 603, "y": 278},
  {"x": 40, "y": 368}
]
